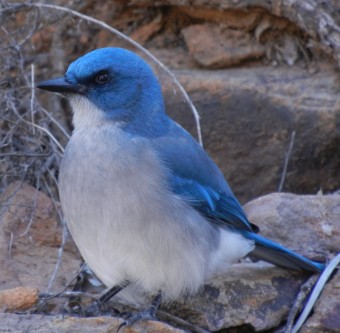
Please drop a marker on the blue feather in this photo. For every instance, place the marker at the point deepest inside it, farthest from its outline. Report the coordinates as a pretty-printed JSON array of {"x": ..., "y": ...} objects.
[
  {"x": 265, "y": 249},
  {"x": 197, "y": 179}
]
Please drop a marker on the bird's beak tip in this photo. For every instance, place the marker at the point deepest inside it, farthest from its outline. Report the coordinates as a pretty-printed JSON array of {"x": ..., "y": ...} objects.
[{"x": 62, "y": 86}]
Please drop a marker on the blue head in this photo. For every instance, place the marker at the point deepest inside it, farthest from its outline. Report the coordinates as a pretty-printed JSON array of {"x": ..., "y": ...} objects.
[{"x": 120, "y": 84}]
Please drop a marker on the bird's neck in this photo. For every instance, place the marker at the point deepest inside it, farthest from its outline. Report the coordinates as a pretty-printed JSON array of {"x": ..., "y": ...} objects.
[
  {"x": 148, "y": 116},
  {"x": 143, "y": 116}
]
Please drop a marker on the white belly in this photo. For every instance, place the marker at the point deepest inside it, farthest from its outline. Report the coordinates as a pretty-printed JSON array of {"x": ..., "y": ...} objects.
[{"x": 125, "y": 223}]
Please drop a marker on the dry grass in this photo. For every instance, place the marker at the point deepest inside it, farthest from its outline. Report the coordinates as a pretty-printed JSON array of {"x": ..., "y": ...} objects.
[{"x": 29, "y": 150}]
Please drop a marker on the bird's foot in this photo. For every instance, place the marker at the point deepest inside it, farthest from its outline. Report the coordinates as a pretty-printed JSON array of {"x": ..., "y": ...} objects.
[
  {"x": 100, "y": 307},
  {"x": 148, "y": 314}
]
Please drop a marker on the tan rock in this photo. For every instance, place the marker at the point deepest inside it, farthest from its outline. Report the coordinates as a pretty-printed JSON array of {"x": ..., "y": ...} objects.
[
  {"x": 18, "y": 299},
  {"x": 307, "y": 224},
  {"x": 11, "y": 323},
  {"x": 325, "y": 317},
  {"x": 145, "y": 32},
  {"x": 248, "y": 116},
  {"x": 215, "y": 47},
  {"x": 258, "y": 296},
  {"x": 30, "y": 238}
]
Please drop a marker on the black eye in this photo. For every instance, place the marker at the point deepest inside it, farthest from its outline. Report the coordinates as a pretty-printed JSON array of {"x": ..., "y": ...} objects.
[{"x": 102, "y": 77}]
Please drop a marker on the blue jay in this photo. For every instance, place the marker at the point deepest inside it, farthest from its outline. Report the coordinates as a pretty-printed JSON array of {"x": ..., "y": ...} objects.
[{"x": 145, "y": 204}]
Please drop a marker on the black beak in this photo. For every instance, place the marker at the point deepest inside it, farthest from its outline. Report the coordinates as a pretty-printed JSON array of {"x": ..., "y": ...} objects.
[{"x": 62, "y": 86}]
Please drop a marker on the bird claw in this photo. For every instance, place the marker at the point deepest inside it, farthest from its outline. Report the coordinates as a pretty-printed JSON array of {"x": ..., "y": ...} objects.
[{"x": 139, "y": 316}]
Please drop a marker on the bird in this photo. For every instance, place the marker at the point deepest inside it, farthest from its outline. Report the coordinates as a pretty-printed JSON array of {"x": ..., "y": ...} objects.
[{"x": 146, "y": 205}]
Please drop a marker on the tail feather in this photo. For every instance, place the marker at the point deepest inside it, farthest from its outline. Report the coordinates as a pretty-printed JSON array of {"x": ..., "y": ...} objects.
[{"x": 279, "y": 255}]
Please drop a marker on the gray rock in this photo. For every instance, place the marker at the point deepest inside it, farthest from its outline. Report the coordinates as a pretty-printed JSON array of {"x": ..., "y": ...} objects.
[
  {"x": 30, "y": 238},
  {"x": 248, "y": 117},
  {"x": 214, "y": 47},
  {"x": 257, "y": 296},
  {"x": 308, "y": 224},
  {"x": 13, "y": 323},
  {"x": 325, "y": 317},
  {"x": 252, "y": 295}
]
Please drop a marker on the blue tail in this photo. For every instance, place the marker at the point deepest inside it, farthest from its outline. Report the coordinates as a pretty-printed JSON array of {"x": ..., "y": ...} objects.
[{"x": 276, "y": 254}]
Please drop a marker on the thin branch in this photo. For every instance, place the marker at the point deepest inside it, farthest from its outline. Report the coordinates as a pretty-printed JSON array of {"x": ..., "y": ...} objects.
[
  {"x": 45, "y": 297},
  {"x": 37, "y": 126},
  {"x": 55, "y": 122},
  {"x": 182, "y": 322},
  {"x": 298, "y": 303},
  {"x": 333, "y": 264},
  {"x": 60, "y": 254},
  {"x": 67, "y": 294},
  {"x": 32, "y": 97},
  {"x": 24, "y": 154},
  {"x": 287, "y": 157},
  {"x": 33, "y": 206}
]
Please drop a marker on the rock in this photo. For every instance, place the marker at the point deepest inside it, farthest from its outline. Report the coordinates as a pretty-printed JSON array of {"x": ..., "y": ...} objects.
[
  {"x": 252, "y": 295},
  {"x": 215, "y": 47},
  {"x": 325, "y": 317},
  {"x": 245, "y": 20},
  {"x": 248, "y": 117},
  {"x": 30, "y": 238},
  {"x": 12, "y": 323},
  {"x": 319, "y": 22},
  {"x": 307, "y": 224},
  {"x": 145, "y": 32},
  {"x": 17, "y": 299},
  {"x": 259, "y": 297}
]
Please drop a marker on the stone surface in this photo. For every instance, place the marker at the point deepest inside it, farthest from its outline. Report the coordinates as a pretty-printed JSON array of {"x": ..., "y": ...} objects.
[
  {"x": 307, "y": 224},
  {"x": 327, "y": 309},
  {"x": 17, "y": 299},
  {"x": 248, "y": 117},
  {"x": 213, "y": 46},
  {"x": 259, "y": 297},
  {"x": 252, "y": 295},
  {"x": 319, "y": 22},
  {"x": 12, "y": 323},
  {"x": 30, "y": 238}
]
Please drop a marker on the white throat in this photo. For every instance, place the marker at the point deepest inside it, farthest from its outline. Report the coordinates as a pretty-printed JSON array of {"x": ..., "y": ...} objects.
[{"x": 85, "y": 113}]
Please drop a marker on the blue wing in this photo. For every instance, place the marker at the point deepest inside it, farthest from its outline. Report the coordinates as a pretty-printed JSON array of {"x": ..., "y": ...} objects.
[
  {"x": 196, "y": 178},
  {"x": 218, "y": 206}
]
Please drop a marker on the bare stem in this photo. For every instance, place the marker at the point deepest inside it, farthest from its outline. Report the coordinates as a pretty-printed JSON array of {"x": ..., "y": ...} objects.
[{"x": 287, "y": 157}]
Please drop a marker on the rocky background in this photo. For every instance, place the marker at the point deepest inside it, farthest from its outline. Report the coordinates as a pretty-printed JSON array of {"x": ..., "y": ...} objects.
[{"x": 264, "y": 76}]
